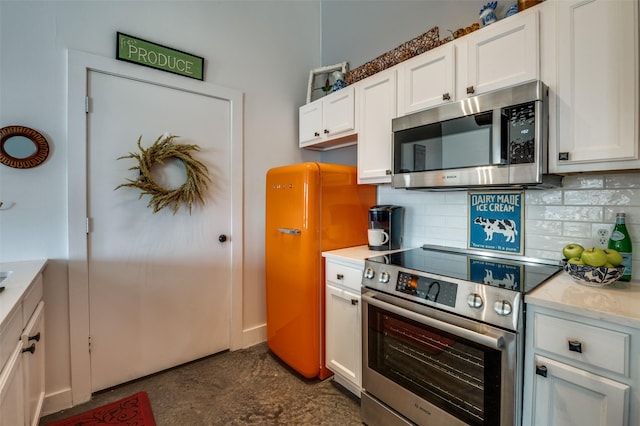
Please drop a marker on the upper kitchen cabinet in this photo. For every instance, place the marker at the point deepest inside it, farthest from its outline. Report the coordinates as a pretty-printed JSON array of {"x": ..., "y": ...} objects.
[
  {"x": 427, "y": 80},
  {"x": 596, "y": 114},
  {"x": 502, "y": 54},
  {"x": 376, "y": 108},
  {"x": 329, "y": 122}
]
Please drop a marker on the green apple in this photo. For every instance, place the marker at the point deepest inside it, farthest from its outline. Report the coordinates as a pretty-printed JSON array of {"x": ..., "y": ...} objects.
[
  {"x": 594, "y": 257},
  {"x": 613, "y": 256},
  {"x": 573, "y": 250},
  {"x": 575, "y": 261}
]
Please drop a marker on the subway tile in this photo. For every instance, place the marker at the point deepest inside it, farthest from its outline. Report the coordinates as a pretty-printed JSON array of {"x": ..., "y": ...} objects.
[
  {"x": 576, "y": 213},
  {"x": 602, "y": 197},
  {"x": 543, "y": 197},
  {"x": 545, "y": 227},
  {"x": 623, "y": 180},
  {"x": 576, "y": 229},
  {"x": 583, "y": 181}
]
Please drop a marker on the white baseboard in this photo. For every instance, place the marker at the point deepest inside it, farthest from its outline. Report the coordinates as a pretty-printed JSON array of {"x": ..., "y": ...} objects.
[
  {"x": 60, "y": 400},
  {"x": 253, "y": 336}
]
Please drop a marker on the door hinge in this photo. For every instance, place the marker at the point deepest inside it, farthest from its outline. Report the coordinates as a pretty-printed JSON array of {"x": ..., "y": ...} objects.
[
  {"x": 86, "y": 104},
  {"x": 88, "y": 225},
  {"x": 89, "y": 342}
]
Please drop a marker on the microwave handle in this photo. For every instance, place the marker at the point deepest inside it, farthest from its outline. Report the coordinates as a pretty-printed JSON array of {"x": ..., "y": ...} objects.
[
  {"x": 496, "y": 138},
  {"x": 495, "y": 342}
]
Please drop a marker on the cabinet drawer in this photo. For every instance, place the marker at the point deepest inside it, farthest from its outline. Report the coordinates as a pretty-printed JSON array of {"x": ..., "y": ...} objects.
[
  {"x": 344, "y": 275},
  {"x": 10, "y": 335},
  {"x": 596, "y": 346},
  {"x": 31, "y": 300}
]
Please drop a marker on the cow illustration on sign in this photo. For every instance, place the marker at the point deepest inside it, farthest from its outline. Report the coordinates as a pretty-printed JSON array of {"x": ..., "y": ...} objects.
[{"x": 505, "y": 227}]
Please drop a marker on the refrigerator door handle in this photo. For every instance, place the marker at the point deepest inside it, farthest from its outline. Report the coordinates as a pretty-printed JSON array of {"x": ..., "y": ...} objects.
[{"x": 290, "y": 231}]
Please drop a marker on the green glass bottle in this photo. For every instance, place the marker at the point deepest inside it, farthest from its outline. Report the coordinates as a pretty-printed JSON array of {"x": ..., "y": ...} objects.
[{"x": 621, "y": 241}]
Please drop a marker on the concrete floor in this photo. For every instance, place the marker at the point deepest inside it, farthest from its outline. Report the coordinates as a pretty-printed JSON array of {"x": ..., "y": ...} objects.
[{"x": 246, "y": 387}]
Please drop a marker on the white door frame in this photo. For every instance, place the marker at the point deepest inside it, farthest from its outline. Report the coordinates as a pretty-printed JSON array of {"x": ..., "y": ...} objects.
[{"x": 79, "y": 65}]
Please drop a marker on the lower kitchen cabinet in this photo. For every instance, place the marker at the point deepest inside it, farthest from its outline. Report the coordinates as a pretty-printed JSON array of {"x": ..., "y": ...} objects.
[
  {"x": 343, "y": 323},
  {"x": 579, "y": 371},
  {"x": 22, "y": 385}
]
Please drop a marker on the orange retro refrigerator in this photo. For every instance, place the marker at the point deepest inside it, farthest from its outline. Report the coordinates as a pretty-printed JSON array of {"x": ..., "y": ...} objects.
[{"x": 310, "y": 208}]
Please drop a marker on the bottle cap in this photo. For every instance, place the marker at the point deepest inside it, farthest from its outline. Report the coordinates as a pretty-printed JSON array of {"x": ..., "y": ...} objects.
[{"x": 619, "y": 214}]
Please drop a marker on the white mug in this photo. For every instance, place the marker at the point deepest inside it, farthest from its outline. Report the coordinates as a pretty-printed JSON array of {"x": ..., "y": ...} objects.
[{"x": 377, "y": 237}]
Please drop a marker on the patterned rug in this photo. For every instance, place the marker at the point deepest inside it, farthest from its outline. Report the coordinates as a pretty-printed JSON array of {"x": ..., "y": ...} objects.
[{"x": 134, "y": 410}]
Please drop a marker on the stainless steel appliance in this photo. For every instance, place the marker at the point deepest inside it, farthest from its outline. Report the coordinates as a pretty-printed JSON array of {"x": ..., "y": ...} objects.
[
  {"x": 493, "y": 139},
  {"x": 386, "y": 223},
  {"x": 443, "y": 336}
]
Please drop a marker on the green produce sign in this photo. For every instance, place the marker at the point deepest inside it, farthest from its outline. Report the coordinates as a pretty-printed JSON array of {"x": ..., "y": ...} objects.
[{"x": 142, "y": 52}]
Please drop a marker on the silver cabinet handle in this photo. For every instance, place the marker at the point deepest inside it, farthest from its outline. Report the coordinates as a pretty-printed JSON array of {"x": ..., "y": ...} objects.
[
  {"x": 289, "y": 231},
  {"x": 575, "y": 345}
]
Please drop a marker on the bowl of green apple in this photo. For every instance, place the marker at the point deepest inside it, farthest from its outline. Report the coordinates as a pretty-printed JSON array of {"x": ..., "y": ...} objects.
[{"x": 592, "y": 266}]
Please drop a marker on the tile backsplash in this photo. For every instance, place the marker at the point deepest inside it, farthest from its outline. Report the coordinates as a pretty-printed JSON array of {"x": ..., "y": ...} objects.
[{"x": 578, "y": 212}]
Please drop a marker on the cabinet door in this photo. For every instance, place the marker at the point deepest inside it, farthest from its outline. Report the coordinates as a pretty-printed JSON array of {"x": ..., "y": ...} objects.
[
  {"x": 503, "y": 54},
  {"x": 427, "y": 80},
  {"x": 12, "y": 390},
  {"x": 597, "y": 89},
  {"x": 570, "y": 396},
  {"x": 377, "y": 107},
  {"x": 343, "y": 335},
  {"x": 33, "y": 340},
  {"x": 338, "y": 114},
  {"x": 310, "y": 123}
]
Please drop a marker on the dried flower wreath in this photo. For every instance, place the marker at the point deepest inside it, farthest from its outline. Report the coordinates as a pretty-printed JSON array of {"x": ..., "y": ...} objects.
[{"x": 162, "y": 149}]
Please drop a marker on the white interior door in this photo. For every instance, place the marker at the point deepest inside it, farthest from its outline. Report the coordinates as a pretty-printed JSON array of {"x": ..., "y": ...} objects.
[{"x": 159, "y": 284}]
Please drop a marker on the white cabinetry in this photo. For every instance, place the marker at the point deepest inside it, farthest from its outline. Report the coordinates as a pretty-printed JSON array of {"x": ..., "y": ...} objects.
[
  {"x": 500, "y": 55},
  {"x": 427, "y": 80},
  {"x": 578, "y": 370},
  {"x": 22, "y": 360},
  {"x": 343, "y": 323},
  {"x": 376, "y": 97},
  {"x": 597, "y": 87},
  {"x": 328, "y": 122}
]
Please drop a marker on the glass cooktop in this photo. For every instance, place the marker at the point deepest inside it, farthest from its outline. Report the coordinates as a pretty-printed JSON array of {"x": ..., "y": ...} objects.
[{"x": 517, "y": 274}]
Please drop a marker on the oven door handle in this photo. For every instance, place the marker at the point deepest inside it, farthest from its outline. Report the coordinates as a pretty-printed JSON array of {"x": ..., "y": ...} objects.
[{"x": 495, "y": 342}]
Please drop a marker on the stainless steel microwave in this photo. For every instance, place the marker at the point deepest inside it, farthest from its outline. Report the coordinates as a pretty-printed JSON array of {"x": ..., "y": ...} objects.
[{"x": 493, "y": 139}]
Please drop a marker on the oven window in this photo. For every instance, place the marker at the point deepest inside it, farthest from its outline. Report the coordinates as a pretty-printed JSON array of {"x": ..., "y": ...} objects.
[{"x": 459, "y": 376}]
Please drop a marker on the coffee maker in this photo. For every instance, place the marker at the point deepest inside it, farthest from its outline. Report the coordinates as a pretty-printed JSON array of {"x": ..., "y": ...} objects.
[{"x": 385, "y": 227}]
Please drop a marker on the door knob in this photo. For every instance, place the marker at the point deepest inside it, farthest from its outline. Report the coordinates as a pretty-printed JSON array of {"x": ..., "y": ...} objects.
[{"x": 222, "y": 238}]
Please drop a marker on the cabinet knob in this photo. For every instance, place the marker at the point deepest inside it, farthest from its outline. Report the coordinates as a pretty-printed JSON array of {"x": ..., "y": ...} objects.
[
  {"x": 446, "y": 97},
  {"x": 541, "y": 370},
  {"x": 316, "y": 134},
  {"x": 326, "y": 132},
  {"x": 563, "y": 156},
  {"x": 354, "y": 301},
  {"x": 575, "y": 346},
  {"x": 471, "y": 90},
  {"x": 35, "y": 337},
  {"x": 31, "y": 348},
  {"x": 387, "y": 172},
  {"x": 340, "y": 276}
]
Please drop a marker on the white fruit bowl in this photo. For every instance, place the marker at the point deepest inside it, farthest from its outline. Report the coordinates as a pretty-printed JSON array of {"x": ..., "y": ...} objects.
[{"x": 594, "y": 276}]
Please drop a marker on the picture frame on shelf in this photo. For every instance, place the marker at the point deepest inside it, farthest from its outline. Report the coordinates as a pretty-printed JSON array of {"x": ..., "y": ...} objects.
[{"x": 321, "y": 80}]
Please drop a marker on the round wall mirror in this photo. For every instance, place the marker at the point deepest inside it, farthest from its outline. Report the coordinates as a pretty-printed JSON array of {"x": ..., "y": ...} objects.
[{"x": 22, "y": 147}]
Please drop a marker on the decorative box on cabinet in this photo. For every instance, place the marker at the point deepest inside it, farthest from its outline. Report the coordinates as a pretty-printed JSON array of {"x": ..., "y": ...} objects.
[
  {"x": 376, "y": 97},
  {"x": 578, "y": 370},
  {"x": 329, "y": 122},
  {"x": 343, "y": 322},
  {"x": 597, "y": 87}
]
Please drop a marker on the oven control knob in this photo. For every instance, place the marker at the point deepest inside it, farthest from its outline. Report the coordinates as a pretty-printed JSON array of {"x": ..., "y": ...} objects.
[
  {"x": 503, "y": 308},
  {"x": 474, "y": 300},
  {"x": 369, "y": 273},
  {"x": 384, "y": 277}
]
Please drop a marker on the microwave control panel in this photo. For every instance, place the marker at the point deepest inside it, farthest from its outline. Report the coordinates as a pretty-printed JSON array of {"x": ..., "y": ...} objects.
[{"x": 521, "y": 133}]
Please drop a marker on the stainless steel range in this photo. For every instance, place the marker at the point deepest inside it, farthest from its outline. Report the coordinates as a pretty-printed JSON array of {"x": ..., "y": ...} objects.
[{"x": 443, "y": 336}]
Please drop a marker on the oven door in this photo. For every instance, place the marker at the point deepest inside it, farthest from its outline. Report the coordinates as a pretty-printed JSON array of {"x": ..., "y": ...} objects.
[{"x": 427, "y": 366}]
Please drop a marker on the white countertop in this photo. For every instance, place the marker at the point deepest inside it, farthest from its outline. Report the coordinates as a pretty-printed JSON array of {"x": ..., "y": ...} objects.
[
  {"x": 22, "y": 275},
  {"x": 617, "y": 303},
  {"x": 357, "y": 254}
]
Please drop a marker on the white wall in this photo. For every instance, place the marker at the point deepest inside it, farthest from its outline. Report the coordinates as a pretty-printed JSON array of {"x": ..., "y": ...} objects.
[{"x": 263, "y": 48}]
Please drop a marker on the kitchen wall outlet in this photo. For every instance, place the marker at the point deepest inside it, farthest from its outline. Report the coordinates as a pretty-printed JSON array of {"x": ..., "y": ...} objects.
[{"x": 603, "y": 236}]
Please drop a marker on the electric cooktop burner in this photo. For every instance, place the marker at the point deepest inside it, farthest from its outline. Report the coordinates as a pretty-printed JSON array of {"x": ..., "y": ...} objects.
[{"x": 512, "y": 273}]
